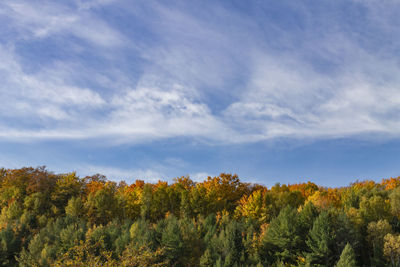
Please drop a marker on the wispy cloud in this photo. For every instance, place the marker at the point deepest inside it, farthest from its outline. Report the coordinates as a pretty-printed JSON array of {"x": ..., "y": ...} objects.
[
  {"x": 122, "y": 174},
  {"x": 208, "y": 73},
  {"x": 42, "y": 95},
  {"x": 48, "y": 18}
]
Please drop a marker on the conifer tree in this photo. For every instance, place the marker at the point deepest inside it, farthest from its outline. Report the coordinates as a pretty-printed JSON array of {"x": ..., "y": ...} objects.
[
  {"x": 282, "y": 237},
  {"x": 171, "y": 240},
  {"x": 347, "y": 258},
  {"x": 206, "y": 259},
  {"x": 321, "y": 241}
]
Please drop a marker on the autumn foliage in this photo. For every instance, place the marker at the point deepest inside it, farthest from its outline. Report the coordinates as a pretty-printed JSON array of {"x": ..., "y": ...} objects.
[{"x": 50, "y": 219}]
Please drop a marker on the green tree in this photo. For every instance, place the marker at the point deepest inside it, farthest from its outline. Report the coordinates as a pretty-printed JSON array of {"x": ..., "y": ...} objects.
[
  {"x": 282, "y": 237},
  {"x": 102, "y": 205},
  {"x": 376, "y": 232},
  {"x": 395, "y": 202},
  {"x": 206, "y": 259},
  {"x": 142, "y": 235},
  {"x": 67, "y": 186},
  {"x": 374, "y": 208},
  {"x": 146, "y": 199},
  {"x": 307, "y": 215},
  {"x": 321, "y": 241},
  {"x": 347, "y": 258},
  {"x": 9, "y": 246},
  {"x": 172, "y": 241},
  {"x": 75, "y": 207}
]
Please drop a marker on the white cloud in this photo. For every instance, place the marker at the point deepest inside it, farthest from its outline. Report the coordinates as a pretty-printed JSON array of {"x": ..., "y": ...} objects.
[
  {"x": 200, "y": 176},
  {"x": 119, "y": 174},
  {"x": 194, "y": 63},
  {"x": 42, "y": 20},
  {"x": 41, "y": 95},
  {"x": 301, "y": 102}
]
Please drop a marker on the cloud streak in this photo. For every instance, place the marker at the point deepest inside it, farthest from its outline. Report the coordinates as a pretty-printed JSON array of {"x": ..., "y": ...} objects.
[{"x": 208, "y": 73}]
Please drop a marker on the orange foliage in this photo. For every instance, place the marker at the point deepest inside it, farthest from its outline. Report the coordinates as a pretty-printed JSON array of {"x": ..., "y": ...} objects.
[
  {"x": 138, "y": 185},
  {"x": 306, "y": 189},
  {"x": 326, "y": 198},
  {"x": 94, "y": 186},
  {"x": 391, "y": 183},
  {"x": 161, "y": 184}
]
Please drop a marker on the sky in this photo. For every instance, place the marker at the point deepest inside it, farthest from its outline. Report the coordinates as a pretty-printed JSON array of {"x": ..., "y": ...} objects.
[{"x": 275, "y": 91}]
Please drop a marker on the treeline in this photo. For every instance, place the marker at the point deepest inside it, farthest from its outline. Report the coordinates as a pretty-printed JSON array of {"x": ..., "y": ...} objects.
[{"x": 52, "y": 219}]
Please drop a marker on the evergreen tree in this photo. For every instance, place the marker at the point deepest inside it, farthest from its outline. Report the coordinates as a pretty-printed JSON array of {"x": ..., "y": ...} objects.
[
  {"x": 347, "y": 258},
  {"x": 9, "y": 246},
  {"x": 282, "y": 237},
  {"x": 321, "y": 241},
  {"x": 171, "y": 240},
  {"x": 193, "y": 224},
  {"x": 206, "y": 259}
]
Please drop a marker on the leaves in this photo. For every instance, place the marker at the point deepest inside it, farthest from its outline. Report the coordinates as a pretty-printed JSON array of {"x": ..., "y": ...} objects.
[{"x": 52, "y": 219}]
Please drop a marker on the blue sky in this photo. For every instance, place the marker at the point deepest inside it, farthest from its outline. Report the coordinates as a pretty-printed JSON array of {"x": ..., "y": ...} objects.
[{"x": 275, "y": 91}]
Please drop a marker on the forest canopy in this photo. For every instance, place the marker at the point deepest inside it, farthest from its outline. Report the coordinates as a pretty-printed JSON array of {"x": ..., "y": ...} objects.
[{"x": 50, "y": 219}]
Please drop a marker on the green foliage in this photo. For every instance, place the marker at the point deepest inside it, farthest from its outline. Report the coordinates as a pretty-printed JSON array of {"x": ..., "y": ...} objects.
[
  {"x": 376, "y": 233},
  {"x": 307, "y": 216},
  {"x": 171, "y": 240},
  {"x": 395, "y": 201},
  {"x": 321, "y": 241},
  {"x": 142, "y": 234},
  {"x": 102, "y": 205},
  {"x": 206, "y": 259},
  {"x": 347, "y": 258},
  {"x": 52, "y": 219},
  {"x": 9, "y": 246},
  {"x": 75, "y": 207},
  {"x": 282, "y": 238}
]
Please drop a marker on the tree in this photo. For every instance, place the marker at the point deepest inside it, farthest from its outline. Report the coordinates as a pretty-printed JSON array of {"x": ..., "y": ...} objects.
[
  {"x": 206, "y": 259},
  {"x": 307, "y": 215},
  {"x": 376, "y": 233},
  {"x": 131, "y": 198},
  {"x": 172, "y": 241},
  {"x": 282, "y": 236},
  {"x": 321, "y": 241},
  {"x": 391, "y": 249},
  {"x": 374, "y": 208},
  {"x": 347, "y": 258},
  {"x": 102, "y": 205},
  {"x": 224, "y": 191},
  {"x": 253, "y": 207},
  {"x": 67, "y": 186},
  {"x": 87, "y": 254},
  {"x": 146, "y": 199},
  {"x": 142, "y": 257},
  {"x": 9, "y": 246},
  {"x": 142, "y": 234},
  {"x": 395, "y": 202},
  {"x": 75, "y": 207}
]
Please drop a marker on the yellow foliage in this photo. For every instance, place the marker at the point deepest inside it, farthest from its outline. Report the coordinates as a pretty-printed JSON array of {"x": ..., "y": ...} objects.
[
  {"x": 252, "y": 206},
  {"x": 391, "y": 248},
  {"x": 326, "y": 198}
]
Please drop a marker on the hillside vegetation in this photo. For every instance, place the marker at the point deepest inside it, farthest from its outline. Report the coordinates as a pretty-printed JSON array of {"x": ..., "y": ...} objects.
[{"x": 52, "y": 219}]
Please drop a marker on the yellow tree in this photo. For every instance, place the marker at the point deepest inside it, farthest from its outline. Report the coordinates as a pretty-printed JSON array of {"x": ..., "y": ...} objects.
[
  {"x": 253, "y": 207},
  {"x": 224, "y": 191},
  {"x": 392, "y": 249}
]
